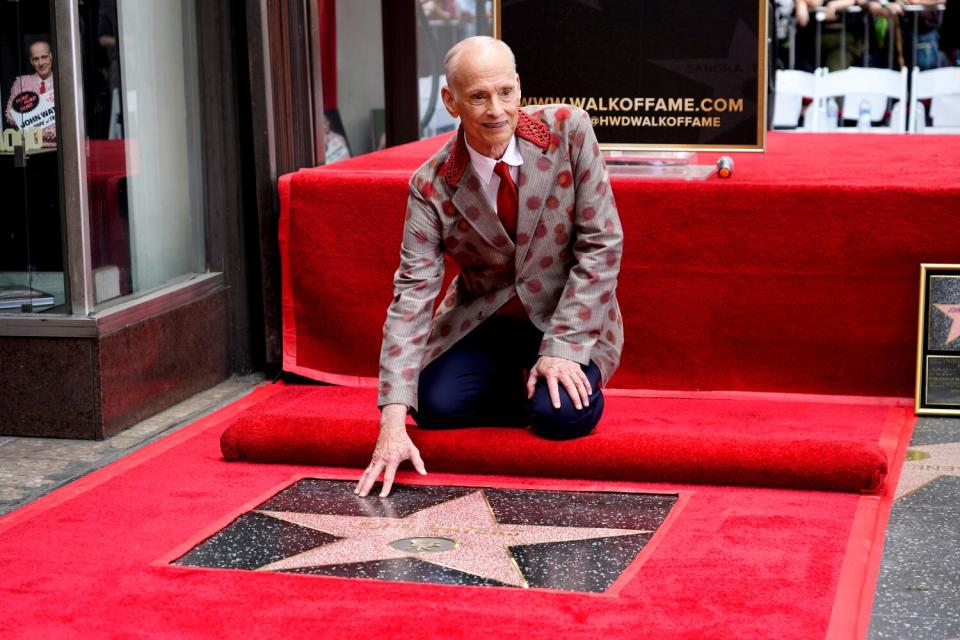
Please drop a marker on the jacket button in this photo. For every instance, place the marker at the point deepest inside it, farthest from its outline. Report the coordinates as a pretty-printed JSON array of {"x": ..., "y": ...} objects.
[{"x": 521, "y": 280}]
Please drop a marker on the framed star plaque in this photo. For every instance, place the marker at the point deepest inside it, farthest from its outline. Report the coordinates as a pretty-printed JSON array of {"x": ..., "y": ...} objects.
[
  {"x": 938, "y": 341},
  {"x": 652, "y": 74}
]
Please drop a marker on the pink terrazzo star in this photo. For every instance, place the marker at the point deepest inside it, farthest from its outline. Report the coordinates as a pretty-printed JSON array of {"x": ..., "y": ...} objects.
[
  {"x": 952, "y": 311},
  {"x": 926, "y": 463},
  {"x": 482, "y": 543}
]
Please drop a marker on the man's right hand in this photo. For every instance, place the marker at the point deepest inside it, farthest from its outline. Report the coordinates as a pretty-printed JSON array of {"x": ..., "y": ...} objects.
[{"x": 393, "y": 447}]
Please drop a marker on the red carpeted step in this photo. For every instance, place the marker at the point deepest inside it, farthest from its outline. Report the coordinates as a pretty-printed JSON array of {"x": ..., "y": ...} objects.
[
  {"x": 761, "y": 444},
  {"x": 798, "y": 275}
]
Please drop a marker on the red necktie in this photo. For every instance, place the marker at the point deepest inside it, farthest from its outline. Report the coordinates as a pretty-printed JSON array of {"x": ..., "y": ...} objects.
[
  {"x": 43, "y": 87},
  {"x": 507, "y": 200}
]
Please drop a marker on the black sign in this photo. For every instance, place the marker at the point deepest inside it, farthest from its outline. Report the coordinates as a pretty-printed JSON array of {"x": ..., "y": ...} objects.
[
  {"x": 651, "y": 73},
  {"x": 26, "y": 101},
  {"x": 943, "y": 381}
]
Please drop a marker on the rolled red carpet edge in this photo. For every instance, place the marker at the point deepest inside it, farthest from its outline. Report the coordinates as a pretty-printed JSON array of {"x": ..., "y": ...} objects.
[{"x": 678, "y": 457}]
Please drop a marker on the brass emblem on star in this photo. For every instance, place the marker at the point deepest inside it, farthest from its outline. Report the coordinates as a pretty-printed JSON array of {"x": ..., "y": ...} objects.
[{"x": 428, "y": 545}]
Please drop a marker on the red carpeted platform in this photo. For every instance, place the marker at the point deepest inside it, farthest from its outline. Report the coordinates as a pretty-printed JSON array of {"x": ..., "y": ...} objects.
[
  {"x": 91, "y": 560},
  {"x": 799, "y": 274},
  {"x": 759, "y": 440}
]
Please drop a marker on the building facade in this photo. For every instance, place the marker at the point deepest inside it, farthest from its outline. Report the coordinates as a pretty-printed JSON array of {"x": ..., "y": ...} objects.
[{"x": 140, "y": 147}]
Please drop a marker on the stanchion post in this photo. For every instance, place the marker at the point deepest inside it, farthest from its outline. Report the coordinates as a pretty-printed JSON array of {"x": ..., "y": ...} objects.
[
  {"x": 866, "y": 38},
  {"x": 843, "y": 40},
  {"x": 792, "y": 40},
  {"x": 891, "y": 42},
  {"x": 916, "y": 10},
  {"x": 818, "y": 17}
]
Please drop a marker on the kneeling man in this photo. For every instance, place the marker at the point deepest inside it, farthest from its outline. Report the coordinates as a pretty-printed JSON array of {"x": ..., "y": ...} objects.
[{"x": 530, "y": 329}]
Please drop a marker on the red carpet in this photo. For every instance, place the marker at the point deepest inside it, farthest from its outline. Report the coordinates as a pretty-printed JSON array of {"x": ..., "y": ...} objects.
[
  {"x": 799, "y": 274},
  {"x": 734, "y": 562},
  {"x": 796, "y": 275},
  {"x": 762, "y": 441}
]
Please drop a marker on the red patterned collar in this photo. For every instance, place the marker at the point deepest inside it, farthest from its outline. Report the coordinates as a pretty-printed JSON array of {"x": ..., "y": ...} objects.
[{"x": 528, "y": 128}]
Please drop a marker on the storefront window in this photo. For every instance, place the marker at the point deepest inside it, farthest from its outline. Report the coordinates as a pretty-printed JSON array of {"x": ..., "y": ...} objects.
[
  {"x": 441, "y": 24},
  {"x": 144, "y": 172},
  {"x": 31, "y": 229}
]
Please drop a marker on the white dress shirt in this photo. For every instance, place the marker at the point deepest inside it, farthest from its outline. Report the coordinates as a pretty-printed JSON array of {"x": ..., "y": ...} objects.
[{"x": 484, "y": 165}]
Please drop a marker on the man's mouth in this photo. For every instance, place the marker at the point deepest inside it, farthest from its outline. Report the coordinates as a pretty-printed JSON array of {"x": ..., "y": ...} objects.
[{"x": 496, "y": 125}]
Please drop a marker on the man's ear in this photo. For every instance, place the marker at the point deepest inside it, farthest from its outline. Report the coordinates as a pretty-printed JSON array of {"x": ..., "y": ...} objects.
[{"x": 449, "y": 102}]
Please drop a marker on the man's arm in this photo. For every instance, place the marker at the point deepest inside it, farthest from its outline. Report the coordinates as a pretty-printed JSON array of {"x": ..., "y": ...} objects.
[
  {"x": 416, "y": 284},
  {"x": 597, "y": 249}
]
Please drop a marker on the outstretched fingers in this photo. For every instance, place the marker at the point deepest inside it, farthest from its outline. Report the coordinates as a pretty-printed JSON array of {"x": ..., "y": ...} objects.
[
  {"x": 388, "y": 467},
  {"x": 388, "y": 475},
  {"x": 417, "y": 461},
  {"x": 369, "y": 478}
]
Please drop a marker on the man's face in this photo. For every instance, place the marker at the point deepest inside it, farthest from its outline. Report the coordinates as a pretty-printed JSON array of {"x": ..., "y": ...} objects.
[
  {"x": 40, "y": 59},
  {"x": 485, "y": 95}
]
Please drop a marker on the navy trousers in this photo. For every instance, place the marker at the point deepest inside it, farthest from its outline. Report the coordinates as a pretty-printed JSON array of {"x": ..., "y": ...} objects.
[{"x": 481, "y": 381}]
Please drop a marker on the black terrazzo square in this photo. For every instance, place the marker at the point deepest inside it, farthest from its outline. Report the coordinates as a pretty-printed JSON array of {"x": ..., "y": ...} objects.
[{"x": 565, "y": 540}]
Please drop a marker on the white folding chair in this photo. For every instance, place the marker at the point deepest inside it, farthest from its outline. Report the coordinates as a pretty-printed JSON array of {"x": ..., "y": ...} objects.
[
  {"x": 873, "y": 87},
  {"x": 942, "y": 88},
  {"x": 791, "y": 88}
]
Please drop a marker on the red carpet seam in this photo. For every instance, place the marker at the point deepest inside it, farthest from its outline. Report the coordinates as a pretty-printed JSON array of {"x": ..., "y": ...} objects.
[{"x": 853, "y": 603}]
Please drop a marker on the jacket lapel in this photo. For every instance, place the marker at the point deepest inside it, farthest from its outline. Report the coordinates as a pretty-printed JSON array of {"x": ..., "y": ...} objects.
[
  {"x": 476, "y": 210},
  {"x": 539, "y": 182},
  {"x": 533, "y": 137}
]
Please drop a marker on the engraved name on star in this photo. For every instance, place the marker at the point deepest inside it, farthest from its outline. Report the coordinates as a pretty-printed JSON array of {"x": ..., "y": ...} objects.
[
  {"x": 482, "y": 544},
  {"x": 952, "y": 311},
  {"x": 925, "y": 464}
]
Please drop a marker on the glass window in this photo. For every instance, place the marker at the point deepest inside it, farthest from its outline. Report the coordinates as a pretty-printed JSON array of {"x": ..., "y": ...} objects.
[
  {"x": 144, "y": 169},
  {"x": 31, "y": 228},
  {"x": 351, "y": 58},
  {"x": 441, "y": 24}
]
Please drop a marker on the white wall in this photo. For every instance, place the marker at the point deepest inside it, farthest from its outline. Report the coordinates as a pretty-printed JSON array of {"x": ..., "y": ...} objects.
[
  {"x": 158, "y": 61},
  {"x": 360, "y": 69}
]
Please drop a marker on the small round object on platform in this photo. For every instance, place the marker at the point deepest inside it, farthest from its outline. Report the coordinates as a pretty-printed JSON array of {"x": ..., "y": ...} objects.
[{"x": 724, "y": 166}]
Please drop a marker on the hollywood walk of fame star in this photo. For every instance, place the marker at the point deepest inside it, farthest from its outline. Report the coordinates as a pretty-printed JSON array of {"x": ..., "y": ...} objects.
[
  {"x": 952, "y": 311},
  {"x": 925, "y": 464},
  {"x": 481, "y": 549}
]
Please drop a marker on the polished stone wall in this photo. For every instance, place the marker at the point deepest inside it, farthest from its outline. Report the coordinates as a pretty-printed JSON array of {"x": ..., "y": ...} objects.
[{"x": 92, "y": 388}]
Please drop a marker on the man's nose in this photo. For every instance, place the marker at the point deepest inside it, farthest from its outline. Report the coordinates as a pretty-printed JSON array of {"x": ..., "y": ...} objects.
[{"x": 495, "y": 106}]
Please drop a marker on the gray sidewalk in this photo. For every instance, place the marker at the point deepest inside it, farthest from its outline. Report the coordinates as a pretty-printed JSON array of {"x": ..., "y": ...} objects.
[
  {"x": 918, "y": 590},
  {"x": 32, "y": 467}
]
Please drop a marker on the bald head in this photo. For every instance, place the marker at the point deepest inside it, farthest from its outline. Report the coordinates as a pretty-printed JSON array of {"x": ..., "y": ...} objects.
[
  {"x": 41, "y": 59},
  {"x": 477, "y": 46},
  {"x": 483, "y": 90}
]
